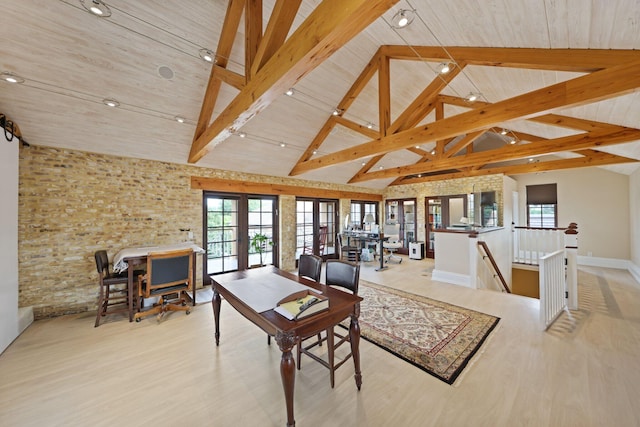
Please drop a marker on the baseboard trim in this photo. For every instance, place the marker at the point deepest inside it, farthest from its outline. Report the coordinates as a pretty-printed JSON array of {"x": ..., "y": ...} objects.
[
  {"x": 453, "y": 278},
  {"x": 591, "y": 261},
  {"x": 25, "y": 318},
  {"x": 635, "y": 271}
]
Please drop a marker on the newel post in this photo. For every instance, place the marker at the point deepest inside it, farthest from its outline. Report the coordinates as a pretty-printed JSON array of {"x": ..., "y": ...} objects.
[{"x": 571, "y": 256}]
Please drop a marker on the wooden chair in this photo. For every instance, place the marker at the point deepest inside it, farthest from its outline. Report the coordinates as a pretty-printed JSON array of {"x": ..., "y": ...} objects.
[
  {"x": 345, "y": 275},
  {"x": 168, "y": 274},
  {"x": 322, "y": 241},
  {"x": 113, "y": 296}
]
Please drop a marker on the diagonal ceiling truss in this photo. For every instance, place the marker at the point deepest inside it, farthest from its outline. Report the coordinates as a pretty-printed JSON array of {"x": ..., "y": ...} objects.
[
  {"x": 609, "y": 73},
  {"x": 273, "y": 62}
]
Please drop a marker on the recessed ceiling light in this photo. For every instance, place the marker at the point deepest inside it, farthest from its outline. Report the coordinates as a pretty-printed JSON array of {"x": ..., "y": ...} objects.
[
  {"x": 110, "y": 102},
  {"x": 380, "y": 167},
  {"x": 364, "y": 163},
  {"x": 96, "y": 7},
  {"x": 417, "y": 146},
  {"x": 289, "y": 92},
  {"x": 11, "y": 78},
  {"x": 315, "y": 152},
  {"x": 369, "y": 125},
  {"x": 433, "y": 152},
  {"x": 503, "y": 132},
  {"x": 282, "y": 144},
  {"x": 180, "y": 119},
  {"x": 513, "y": 141},
  {"x": 242, "y": 135},
  {"x": 207, "y": 55}
]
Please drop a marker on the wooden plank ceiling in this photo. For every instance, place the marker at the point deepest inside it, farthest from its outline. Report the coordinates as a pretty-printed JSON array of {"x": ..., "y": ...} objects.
[
  {"x": 557, "y": 85},
  {"x": 603, "y": 74}
]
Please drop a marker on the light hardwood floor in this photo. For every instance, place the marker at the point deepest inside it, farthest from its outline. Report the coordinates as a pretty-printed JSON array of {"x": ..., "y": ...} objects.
[{"x": 585, "y": 371}]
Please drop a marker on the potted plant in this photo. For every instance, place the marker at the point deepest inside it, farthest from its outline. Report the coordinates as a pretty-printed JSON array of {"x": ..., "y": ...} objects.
[{"x": 259, "y": 243}]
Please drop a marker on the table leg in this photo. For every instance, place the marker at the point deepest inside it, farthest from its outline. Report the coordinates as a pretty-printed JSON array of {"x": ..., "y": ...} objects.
[
  {"x": 286, "y": 341},
  {"x": 382, "y": 266},
  {"x": 215, "y": 302},
  {"x": 354, "y": 337},
  {"x": 193, "y": 280},
  {"x": 130, "y": 290}
]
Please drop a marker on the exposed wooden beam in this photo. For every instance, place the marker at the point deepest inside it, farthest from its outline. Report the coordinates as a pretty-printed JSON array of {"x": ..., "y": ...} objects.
[
  {"x": 593, "y": 87},
  {"x": 228, "y": 34},
  {"x": 332, "y": 24},
  {"x": 384, "y": 95},
  {"x": 351, "y": 95},
  {"x": 235, "y": 186},
  {"x": 369, "y": 133},
  {"x": 595, "y": 158},
  {"x": 576, "y": 60},
  {"x": 229, "y": 77},
  {"x": 252, "y": 33},
  {"x": 463, "y": 143},
  {"x": 512, "y": 152},
  {"x": 282, "y": 16}
]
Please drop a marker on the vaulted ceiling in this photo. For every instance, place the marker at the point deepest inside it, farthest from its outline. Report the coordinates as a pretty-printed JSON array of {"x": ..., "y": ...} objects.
[{"x": 557, "y": 85}]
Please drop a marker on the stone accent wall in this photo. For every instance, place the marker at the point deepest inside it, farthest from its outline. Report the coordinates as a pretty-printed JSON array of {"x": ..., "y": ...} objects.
[{"x": 73, "y": 203}]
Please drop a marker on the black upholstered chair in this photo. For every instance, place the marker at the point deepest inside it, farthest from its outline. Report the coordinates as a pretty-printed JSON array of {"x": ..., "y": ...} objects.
[
  {"x": 113, "y": 296},
  {"x": 310, "y": 266},
  {"x": 344, "y": 275},
  {"x": 169, "y": 274}
]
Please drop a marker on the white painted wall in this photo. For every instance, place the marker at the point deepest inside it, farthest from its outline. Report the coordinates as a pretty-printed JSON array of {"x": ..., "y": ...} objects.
[
  {"x": 634, "y": 224},
  {"x": 598, "y": 200},
  {"x": 9, "y": 329}
]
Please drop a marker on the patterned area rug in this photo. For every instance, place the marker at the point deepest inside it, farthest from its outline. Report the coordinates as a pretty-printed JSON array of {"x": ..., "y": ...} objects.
[{"x": 437, "y": 337}]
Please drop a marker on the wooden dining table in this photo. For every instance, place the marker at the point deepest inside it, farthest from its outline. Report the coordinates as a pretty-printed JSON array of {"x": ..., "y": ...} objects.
[
  {"x": 254, "y": 293},
  {"x": 127, "y": 258}
]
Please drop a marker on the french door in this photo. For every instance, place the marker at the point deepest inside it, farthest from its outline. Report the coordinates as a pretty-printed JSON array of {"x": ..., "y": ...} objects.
[
  {"x": 240, "y": 231},
  {"x": 316, "y": 221}
]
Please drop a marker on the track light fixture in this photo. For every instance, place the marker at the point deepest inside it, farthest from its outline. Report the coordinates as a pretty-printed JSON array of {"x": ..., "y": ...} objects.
[
  {"x": 96, "y": 7},
  {"x": 444, "y": 68},
  {"x": 207, "y": 55},
  {"x": 337, "y": 112},
  {"x": 403, "y": 18},
  {"x": 110, "y": 102},
  {"x": 11, "y": 78},
  {"x": 473, "y": 96},
  {"x": 290, "y": 92}
]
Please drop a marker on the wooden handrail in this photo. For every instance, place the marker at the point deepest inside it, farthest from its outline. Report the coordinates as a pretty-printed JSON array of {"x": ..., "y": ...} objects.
[{"x": 483, "y": 244}]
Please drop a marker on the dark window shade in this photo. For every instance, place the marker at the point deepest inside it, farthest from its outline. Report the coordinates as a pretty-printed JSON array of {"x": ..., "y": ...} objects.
[{"x": 544, "y": 194}]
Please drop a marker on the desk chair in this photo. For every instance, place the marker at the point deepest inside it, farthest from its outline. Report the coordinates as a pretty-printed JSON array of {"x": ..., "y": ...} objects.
[
  {"x": 348, "y": 251},
  {"x": 168, "y": 274},
  {"x": 113, "y": 297},
  {"x": 393, "y": 243},
  {"x": 309, "y": 266},
  {"x": 345, "y": 275}
]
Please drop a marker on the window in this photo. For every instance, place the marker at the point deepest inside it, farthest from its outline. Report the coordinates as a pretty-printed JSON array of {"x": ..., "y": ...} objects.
[
  {"x": 360, "y": 210},
  {"x": 542, "y": 206}
]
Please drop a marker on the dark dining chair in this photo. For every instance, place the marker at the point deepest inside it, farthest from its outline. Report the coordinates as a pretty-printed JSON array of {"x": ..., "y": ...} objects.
[
  {"x": 113, "y": 295},
  {"x": 344, "y": 275},
  {"x": 169, "y": 274},
  {"x": 310, "y": 267}
]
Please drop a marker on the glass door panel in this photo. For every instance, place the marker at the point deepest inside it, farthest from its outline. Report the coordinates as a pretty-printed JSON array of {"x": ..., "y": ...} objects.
[
  {"x": 260, "y": 231},
  {"x": 316, "y": 227},
  {"x": 222, "y": 234}
]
